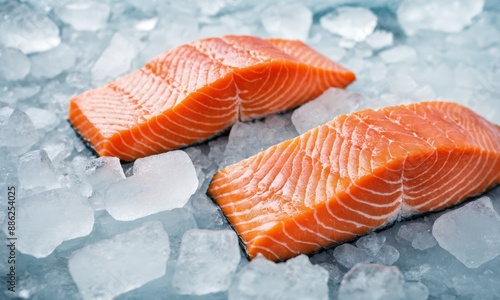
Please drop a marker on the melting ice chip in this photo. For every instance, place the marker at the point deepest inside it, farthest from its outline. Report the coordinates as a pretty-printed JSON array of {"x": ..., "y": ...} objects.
[
  {"x": 330, "y": 104},
  {"x": 50, "y": 218},
  {"x": 372, "y": 281},
  {"x": 288, "y": 20},
  {"x": 89, "y": 16},
  {"x": 27, "y": 30},
  {"x": 470, "y": 233},
  {"x": 160, "y": 182},
  {"x": 438, "y": 15},
  {"x": 297, "y": 278},
  {"x": 352, "y": 23},
  {"x": 14, "y": 65},
  {"x": 127, "y": 261},
  {"x": 51, "y": 63},
  {"x": 207, "y": 261},
  {"x": 115, "y": 59}
]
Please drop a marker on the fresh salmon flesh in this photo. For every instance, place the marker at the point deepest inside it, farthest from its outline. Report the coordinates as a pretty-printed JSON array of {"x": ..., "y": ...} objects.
[
  {"x": 195, "y": 91},
  {"x": 357, "y": 173}
]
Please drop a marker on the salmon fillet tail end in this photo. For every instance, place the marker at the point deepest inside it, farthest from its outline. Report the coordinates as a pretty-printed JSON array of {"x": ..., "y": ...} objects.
[
  {"x": 355, "y": 174},
  {"x": 195, "y": 91}
]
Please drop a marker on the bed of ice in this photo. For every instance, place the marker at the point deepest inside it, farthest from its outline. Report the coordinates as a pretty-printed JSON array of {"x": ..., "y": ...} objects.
[{"x": 83, "y": 229}]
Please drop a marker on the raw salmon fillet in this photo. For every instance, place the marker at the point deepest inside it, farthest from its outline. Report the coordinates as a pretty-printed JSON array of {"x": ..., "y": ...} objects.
[
  {"x": 194, "y": 91},
  {"x": 357, "y": 173}
]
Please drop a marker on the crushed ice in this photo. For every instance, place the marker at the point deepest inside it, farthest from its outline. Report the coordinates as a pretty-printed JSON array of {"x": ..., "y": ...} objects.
[{"x": 99, "y": 228}]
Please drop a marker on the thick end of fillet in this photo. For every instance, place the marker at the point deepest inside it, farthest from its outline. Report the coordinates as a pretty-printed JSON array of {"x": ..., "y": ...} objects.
[
  {"x": 294, "y": 75},
  {"x": 280, "y": 227}
]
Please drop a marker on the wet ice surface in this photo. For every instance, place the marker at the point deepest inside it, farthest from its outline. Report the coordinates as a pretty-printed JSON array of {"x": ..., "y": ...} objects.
[
  {"x": 72, "y": 205},
  {"x": 330, "y": 104},
  {"x": 287, "y": 20},
  {"x": 114, "y": 60},
  {"x": 14, "y": 65},
  {"x": 51, "y": 63},
  {"x": 352, "y": 23},
  {"x": 88, "y": 16},
  {"x": 372, "y": 281},
  {"x": 50, "y": 218},
  {"x": 27, "y": 29},
  {"x": 207, "y": 261},
  {"x": 159, "y": 182},
  {"x": 463, "y": 224},
  {"x": 440, "y": 15},
  {"x": 295, "y": 279},
  {"x": 111, "y": 267}
]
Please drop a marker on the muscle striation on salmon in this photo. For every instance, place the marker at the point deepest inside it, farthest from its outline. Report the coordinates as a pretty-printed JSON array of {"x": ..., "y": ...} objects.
[
  {"x": 357, "y": 173},
  {"x": 194, "y": 91}
]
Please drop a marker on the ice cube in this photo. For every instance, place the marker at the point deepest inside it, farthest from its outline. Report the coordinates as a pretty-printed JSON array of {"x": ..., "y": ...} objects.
[
  {"x": 115, "y": 60},
  {"x": 14, "y": 65},
  {"x": 125, "y": 262},
  {"x": 58, "y": 147},
  {"x": 89, "y": 16},
  {"x": 35, "y": 170},
  {"x": 402, "y": 85},
  {"x": 477, "y": 223},
  {"x": 297, "y": 278},
  {"x": 13, "y": 93},
  {"x": 207, "y": 261},
  {"x": 439, "y": 15},
  {"x": 16, "y": 130},
  {"x": 380, "y": 39},
  {"x": 44, "y": 120},
  {"x": 100, "y": 173},
  {"x": 352, "y": 23},
  {"x": 207, "y": 213},
  {"x": 287, "y": 20},
  {"x": 28, "y": 30},
  {"x": 248, "y": 138},
  {"x": 372, "y": 242},
  {"x": 418, "y": 234},
  {"x": 387, "y": 255},
  {"x": 51, "y": 63},
  {"x": 160, "y": 182},
  {"x": 323, "y": 109},
  {"x": 103, "y": 171},
  {"x": 416, "y": 291},
  {"x": 378, "y": 71},
  {"x": 396, "y": 54},
  {"x": 372, "y": 281},
  {"x": 49, "y": 218},
  {"x": 334, "y": 272},
  {"x": 348, "y": 255}
]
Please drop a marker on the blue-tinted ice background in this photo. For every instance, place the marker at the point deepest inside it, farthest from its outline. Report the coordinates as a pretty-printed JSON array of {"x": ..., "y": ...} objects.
[{"x": 91, "y": 228}]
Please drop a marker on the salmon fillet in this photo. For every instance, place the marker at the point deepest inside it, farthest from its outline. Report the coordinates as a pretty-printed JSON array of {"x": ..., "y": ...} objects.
[
  {"x": 357, "y": 173},
  {"x": 194, "y": 91}
]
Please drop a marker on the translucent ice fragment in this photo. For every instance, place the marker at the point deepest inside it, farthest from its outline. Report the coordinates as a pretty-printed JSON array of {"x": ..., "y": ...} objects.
[
  {"x": 470, "y": 233},
  {"x": 207, "y": 261},
  {"x": 127, "y": 261}
]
